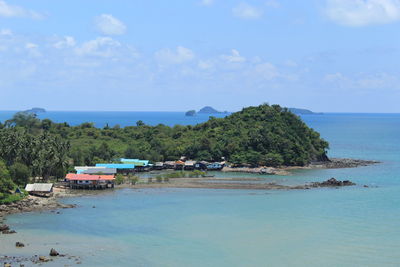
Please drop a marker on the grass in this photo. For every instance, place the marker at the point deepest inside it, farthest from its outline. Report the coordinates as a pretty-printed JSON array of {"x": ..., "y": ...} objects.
[{"x": 12, "y": 198}]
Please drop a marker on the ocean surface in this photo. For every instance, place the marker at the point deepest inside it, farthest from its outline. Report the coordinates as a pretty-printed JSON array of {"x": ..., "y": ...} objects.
[
  {"x": 352, "y": 226},
  {"x": 121, "y": 118}
]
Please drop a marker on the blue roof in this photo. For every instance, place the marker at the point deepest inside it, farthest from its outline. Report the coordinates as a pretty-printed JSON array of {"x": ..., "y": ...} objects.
[{"x": 116, "y": 165}]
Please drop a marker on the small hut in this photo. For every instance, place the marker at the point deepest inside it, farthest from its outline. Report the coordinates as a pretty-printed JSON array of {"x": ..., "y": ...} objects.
[
  {"x": 158, "y": 166},
  {"x": 189, "y": 165},
  {"x": 39, "y": 189}
]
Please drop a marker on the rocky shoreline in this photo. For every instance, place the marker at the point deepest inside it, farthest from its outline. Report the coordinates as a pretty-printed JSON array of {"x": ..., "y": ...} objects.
[
  {"x": 32, "y": 203},
  {"x": 333, "y": 163}
]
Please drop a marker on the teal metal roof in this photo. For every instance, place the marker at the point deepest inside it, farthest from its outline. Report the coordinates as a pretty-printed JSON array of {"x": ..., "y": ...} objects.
[
  {"x": 136, "y": 161},
  {"x": 119, "y": 166}
]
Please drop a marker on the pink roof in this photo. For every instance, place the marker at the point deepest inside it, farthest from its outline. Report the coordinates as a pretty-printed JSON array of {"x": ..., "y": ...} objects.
[{"x": 88, "y": 177}]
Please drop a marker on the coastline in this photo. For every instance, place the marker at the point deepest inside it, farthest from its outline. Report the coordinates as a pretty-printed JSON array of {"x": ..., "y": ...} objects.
[
  {"x": 34, "y": 204},
  {"x": 332, "y": 163},
  {"x": 38, "y": 204}
]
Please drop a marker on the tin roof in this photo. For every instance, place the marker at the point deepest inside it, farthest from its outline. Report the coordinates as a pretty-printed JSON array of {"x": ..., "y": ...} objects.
[
  {"x": 39, "y": 187},
  {"x": 99, "y": 170},
  {"x": 88, "y": 177}
]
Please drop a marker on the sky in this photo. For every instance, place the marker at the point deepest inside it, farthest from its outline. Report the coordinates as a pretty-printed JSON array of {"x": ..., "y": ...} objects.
[{"x": 176, "y": 55}]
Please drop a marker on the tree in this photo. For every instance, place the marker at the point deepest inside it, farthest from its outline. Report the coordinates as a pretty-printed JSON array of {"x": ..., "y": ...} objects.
[
  {"x": 119, "y": 179},
  {"x": 6, "y": 183},
  {"x": 20, "y": 173}
]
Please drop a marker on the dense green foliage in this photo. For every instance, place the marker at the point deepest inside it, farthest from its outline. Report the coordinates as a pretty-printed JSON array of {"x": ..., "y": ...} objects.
[{"x": 263, "y": 135}]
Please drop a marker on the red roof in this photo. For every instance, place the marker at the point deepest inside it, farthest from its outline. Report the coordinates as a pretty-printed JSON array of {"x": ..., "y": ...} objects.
[{"x": 88, "y": 177}]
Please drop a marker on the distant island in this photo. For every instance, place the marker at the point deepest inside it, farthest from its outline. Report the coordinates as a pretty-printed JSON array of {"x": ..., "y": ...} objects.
[
  {"x": 301, "y": 111},
  {"x": 205, "y": 110},
  {"x": 35, "y": 110},
  {"x": 211, "y": 110},
  {"x": 190, "y": 113}
]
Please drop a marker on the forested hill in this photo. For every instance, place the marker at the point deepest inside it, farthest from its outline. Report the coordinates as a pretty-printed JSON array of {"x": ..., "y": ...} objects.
[{"x": 263, "y": 135}]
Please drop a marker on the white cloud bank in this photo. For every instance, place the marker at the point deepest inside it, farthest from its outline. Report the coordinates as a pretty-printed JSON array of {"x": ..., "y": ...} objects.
[
  {"x": 363, "y": 12},
  {"x": 10, "y": 11},
  {"x": 234, "y": 57},
  {"x": 246, "y": 11},
  {"x": 109, "y": 25}
]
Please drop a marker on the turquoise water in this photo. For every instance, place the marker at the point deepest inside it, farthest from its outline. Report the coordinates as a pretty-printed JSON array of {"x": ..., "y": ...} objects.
[{"x": 352, "y": 226}]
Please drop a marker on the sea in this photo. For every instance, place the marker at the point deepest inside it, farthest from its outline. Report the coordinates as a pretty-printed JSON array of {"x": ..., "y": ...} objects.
[{"x": 351, "y": 226}]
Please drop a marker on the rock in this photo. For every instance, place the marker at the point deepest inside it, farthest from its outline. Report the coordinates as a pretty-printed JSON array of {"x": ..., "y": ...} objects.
[
  {"x": 332, "y": 182},
  {"x": 19, "y": 245},
  {"x": 94, "y": 207},
  {"x": 43, "y": 259},
  {"x": 54, "y": 252},
  {"x": 4, "y": 227},
  {"x": 7, "y": 265},
  {"x": 9, "y": 232}
]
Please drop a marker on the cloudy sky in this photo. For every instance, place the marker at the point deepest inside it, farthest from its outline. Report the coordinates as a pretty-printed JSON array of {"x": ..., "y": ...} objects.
[{"x": 325, "y": 55}]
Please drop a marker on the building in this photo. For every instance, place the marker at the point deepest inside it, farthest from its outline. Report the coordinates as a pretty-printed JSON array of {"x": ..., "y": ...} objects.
[
  {"x": 179, "y": 165},
  {"x": 140, "y": 165},
  {"x": 120, "y": 167},
  {"x": 158, "y": 166},
  {"x": 95, "y": 170},
  {"x": 201, "y": 165},
  {"x": 215, "y": 166},
  {"x": 39, "y": 189},
  {"x": 189, "y": 165},
  {"x": 87, "y": 181},
  {"x": 169, "y": 165}
]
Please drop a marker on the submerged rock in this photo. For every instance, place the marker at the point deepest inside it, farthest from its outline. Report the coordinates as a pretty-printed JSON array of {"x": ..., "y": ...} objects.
[
  {"x": 53, "y": 252},
  {"x": 43, "y": 259},
  {"x": 9, "y": 232},
  {"x": 4, "y": 227},
  {"x": 19, "y": 245},
  {"x": 332, "y": 182}
]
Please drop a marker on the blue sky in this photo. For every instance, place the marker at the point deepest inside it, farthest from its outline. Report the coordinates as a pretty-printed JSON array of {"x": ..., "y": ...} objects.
[{"x": 325, "y": 55}]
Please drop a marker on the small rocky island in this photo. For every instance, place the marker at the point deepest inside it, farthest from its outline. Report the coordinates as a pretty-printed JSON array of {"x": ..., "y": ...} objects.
[
  {"x": 35, "y": 110},
  {"x": 301, "y": 111},
  {"x": 205, "y": 110},
  {"x": 190, "y": 113}
]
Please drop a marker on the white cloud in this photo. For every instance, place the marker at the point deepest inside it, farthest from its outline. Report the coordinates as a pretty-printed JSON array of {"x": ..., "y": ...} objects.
[
  {"x": 6, "y": 32},
  {"x": 205, "y": 64},
  {"x": 272, "y": 3},
  {"x": 246, "y": 11},
  {"x": 9, "y": 11},
  {"x": 267, "y": 71},
  {"x": 32, "y": 49},
  {"x": 101, "y": 46},
  {"x": 363, "y": 12},
  {"x": 66, "y": 41},
  {"x": 207, "y": 2},
  {"x": 364, "y": 80},
  {"x": 234, "y": 57},
  {"x": 179, "y": 55},
  {"x": 109, "y": 25}
]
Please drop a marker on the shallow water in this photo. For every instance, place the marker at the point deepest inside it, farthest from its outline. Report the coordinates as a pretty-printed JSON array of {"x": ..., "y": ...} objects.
[{"x": 352, "y": 226}]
